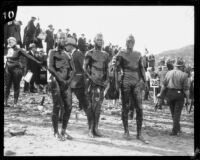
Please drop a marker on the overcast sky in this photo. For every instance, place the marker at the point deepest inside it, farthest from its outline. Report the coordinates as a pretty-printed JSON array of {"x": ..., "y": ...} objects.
[{"x": 158, "y": 28}]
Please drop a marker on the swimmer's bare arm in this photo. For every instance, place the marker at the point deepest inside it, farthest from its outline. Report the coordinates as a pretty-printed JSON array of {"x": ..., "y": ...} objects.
[{"x": 51, "y": 67}]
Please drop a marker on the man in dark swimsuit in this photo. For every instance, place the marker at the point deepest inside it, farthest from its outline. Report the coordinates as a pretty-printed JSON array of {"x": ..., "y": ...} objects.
[
  {"x": 96, "y": 68},
  {"x": 133, "y": 79},
  {"x": 61, "y": 69},
  {"x": 13, "y": 69}
]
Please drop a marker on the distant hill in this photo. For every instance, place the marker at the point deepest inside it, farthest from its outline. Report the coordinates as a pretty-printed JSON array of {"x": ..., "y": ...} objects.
[{"x": 186, "y": 52}]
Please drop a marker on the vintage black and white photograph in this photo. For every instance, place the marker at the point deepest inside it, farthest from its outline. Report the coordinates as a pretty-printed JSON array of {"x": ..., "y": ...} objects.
[{"x": 99, "y": 81}]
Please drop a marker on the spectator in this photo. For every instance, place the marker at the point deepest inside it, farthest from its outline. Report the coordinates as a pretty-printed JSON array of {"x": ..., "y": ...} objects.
[
  {"x": 145, "y": 59},
  {"x": 49, "y": 38},
  {"x": 42, "y": 75},
  {"x": 75, "y": 37},
  {"x": 29, "y": 33},
  {"x": 33, "y": 67},
  {"x": 108, "y": 49},
  {"x": 169, "y": 64},
  {"x": 13, "y": 29},
  {"x": 67, "y": 32},
  {"x": 82, "y": 44},
  {"x": 38, "y": 41},
  {"x": 17, "y": 34},
  {"x": 161, "y": 76},
  {"x": 55, "y": 37},
  {"x": 69, "y": 36},
  {"x": 175, "y": 88},
  {"x": 151, "y": 60},
  {"x": 116, "y": 50},
  {"x": 90, "y": 46},
  {"x": 162, "y": 61},
  {"x": 148, "y": 77}
]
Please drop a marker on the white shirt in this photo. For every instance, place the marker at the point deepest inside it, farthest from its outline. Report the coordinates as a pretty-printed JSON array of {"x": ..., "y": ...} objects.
[{"x": 148, "y": 76}]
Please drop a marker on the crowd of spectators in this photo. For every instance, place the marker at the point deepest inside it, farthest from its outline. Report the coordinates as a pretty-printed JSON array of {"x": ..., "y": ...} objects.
[{"x": 33, "y": 42}]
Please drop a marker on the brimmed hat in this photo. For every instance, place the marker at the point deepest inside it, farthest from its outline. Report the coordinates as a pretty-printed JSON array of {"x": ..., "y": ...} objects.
[
  {"x": 50, "y": 25},
  {"x": 179, "y": 62},
  {"x": 32, "y": 45},
  {"x": 71, "y": 41},
  {"x": 33, "y": 17},
  {"x": 12, "y": 38}
]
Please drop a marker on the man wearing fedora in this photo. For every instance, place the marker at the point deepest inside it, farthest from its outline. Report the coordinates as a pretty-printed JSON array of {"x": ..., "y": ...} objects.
[
  {"x": 49, "y": 38},
  {"x": 175, "y": 88},
  {"x": 61, "y": 69}
]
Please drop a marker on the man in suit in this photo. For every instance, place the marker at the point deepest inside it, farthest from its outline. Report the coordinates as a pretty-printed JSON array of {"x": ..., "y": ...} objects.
[
  {"x": 33, "y": 67},
  {"x": 82, "y": 44},
  {"x": 78, "y": 82},
  {"x": 29, "y": 33},
  {"x": 77, "y": 85},
  {"x": 49, "y": 38}
]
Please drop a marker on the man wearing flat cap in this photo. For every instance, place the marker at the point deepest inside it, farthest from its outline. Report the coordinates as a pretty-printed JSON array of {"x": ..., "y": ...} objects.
[
  {"x": 133, "y": 80},
  {"x": 96, "y": 69},
  {"x": 49, "y": 38},
  {"x": 175, "y": 88},
  {"x": 61, "y": 69}
]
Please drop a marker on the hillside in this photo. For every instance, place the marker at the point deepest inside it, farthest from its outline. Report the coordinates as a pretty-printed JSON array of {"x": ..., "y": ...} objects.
[{"x": 186, "y": 52}]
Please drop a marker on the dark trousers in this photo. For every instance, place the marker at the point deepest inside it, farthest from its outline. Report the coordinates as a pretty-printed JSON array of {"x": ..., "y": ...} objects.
[
  {"x": 49, "y": 46},
  {"x": 13, "y": 76},
  {"x": 81, "y": 96},
  {"x": 135, "y": 93},
  {"x": 30, "y": 86},
  {"x": 95, "y": 99},
  {"x": 82, "y": 99},
  {"x": 131, "y": 112},
  {"x": 146, "y": 93},
  {"x": 175, "y": 100},
  {"x": 60, "y": 94}
]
